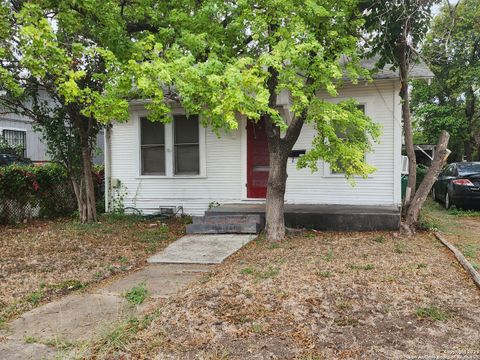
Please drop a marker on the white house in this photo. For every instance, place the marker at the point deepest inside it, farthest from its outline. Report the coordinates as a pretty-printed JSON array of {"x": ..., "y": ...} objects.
[{"x": 182, "y": 165}]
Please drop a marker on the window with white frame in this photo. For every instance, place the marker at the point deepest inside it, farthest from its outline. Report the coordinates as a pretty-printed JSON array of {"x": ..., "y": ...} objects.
[
  {"x": 343, "y": 136},
  {"x": 152, "y": 147},
  {"x": 186, "y": 146},
  {"x": 17, "y": 139},
  {"x": 170, "y": 149}
]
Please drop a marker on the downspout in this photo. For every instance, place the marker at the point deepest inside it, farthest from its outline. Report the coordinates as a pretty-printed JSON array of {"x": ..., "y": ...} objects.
[{"x": 108, "y": 171}]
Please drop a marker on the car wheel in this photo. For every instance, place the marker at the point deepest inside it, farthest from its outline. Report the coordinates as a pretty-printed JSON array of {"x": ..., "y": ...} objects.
[{"x": 447, "y": 201}]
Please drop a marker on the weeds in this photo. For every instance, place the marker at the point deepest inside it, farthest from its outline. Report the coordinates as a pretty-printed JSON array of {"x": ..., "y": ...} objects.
[
  {"x": 324, "y": 273},
  {"x": 69, "y": 285},
  {"x": 270, "y": 272},
  {"x": 346, "y": 321},
  {"x": 380, "y": 239},
  {"x": 399, "y": 248},
  {"x": 361, "y": 267},
  {"x": 137, "y": 294},
  {"x": 433, "y": 313},
  {"x": 34, "y": 297},
  {"x": 470, "y": 250},
  {"x": 329, "y": 256}
]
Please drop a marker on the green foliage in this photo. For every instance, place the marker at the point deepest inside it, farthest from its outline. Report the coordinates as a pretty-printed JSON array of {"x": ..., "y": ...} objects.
[
  {"x": 450, "y": 102},
  {"x": 45, "y": 188},
  {"x": 421, "y": 172},
  {"x": 6, "y": 148},
  {"x": 35, "y": 297},
  {"x": 226, "y": 60},
  {"x": 137, "y": 294}
]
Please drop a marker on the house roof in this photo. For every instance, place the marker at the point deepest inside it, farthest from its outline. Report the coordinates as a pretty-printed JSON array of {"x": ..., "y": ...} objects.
[{"x": 417, "y": 71}]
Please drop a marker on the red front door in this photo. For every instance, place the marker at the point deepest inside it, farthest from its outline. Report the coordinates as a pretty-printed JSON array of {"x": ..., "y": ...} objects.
[{"x": 258, "y": 161}]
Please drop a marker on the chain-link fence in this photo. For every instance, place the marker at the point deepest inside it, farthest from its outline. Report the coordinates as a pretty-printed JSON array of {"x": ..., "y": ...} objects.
[
  {"x": 58, "y": 201},
  {"x": 28, "y": 192}
]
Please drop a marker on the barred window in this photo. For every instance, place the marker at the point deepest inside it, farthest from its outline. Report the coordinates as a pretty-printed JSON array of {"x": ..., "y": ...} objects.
[{"x": 16, "y": 138}]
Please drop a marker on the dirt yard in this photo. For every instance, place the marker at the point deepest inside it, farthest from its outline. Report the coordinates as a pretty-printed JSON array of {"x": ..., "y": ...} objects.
[
  {"x": 44, "y": 260},
  {"x": 318, "y": 296}
]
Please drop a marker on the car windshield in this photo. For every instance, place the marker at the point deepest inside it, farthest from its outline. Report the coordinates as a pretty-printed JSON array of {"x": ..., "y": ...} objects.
[{"x": 469, "y": 168}]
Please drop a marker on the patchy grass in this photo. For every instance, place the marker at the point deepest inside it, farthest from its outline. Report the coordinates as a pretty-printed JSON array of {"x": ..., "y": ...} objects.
[
  {"x": 43, "y": 260},
  {"x": 460, "y": 227},
  {"x": 432, "y": 313},
  {"x": 303, "y": 301}
]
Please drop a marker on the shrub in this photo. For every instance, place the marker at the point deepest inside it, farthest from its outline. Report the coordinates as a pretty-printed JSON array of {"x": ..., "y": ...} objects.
[
  {"x": 38, "y": 191},
  {"x": 421, "y": 172}
]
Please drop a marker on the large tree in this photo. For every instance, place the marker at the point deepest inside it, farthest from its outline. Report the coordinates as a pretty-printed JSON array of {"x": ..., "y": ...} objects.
[
  {"x": 57, "y": 59},
  {"x": 452, "y": 101},
  {"x": 227, "y": 60},
  {"x": 396, "y": 30}
]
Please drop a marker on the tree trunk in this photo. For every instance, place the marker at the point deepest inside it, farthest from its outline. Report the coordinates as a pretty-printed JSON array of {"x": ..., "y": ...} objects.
[
  {"x": 274, "y": 208},
  {"x": 440, "y": 156},
  {"x": 469, "y": 114},
  {"x": 89, "y": 212},
  {"x": 468, "y": 150},
  {"x": 407, "y": 125},
  {"x": 279, "y": 149}
]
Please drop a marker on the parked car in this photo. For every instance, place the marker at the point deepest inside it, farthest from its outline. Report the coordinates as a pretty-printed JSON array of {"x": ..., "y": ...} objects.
[
  {"x": 458, "y": 184},
  {"x": 9, "y": 159}
]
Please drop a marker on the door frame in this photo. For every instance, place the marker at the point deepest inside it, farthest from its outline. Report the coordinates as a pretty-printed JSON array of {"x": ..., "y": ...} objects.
[{"x": 243, "y": 160}]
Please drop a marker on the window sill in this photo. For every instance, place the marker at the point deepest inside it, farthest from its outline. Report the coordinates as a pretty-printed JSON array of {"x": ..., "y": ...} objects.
[
  {"x": 169, "y": 177},
  {"x": 343, "y": 176}
]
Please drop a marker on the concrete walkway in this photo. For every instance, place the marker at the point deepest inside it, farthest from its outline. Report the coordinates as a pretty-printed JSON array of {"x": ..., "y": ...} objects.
[{"x": 81, "y": 317}]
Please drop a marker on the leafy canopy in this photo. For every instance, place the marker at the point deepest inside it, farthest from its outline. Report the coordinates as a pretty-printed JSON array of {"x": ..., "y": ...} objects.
[
  {"x": 452, "y": 49},
  {"x": 220, "y": 59},
  {"x": 223, "y": 60}
]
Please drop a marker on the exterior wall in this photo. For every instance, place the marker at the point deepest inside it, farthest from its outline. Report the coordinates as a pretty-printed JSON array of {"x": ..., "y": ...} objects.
[
  {"x": 36, "y": 147},
  {"x": 224, "y": 177}
]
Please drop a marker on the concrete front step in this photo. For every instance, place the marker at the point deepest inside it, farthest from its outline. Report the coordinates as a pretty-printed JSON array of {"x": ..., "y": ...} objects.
[
  {"x": 212, "y": 218},
  {"x": 245, "y": 228}
]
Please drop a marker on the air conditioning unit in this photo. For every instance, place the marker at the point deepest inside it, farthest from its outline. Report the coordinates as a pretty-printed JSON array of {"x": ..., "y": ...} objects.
[{"x": 404, "y": 165}]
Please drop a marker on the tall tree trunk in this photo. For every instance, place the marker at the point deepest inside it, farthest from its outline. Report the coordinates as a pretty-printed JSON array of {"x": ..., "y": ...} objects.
[
  {"x": 440, "y": 156},
  {"x": 402, "y": 58},
  {"x": 469, "y": 114},
  {"x": 468, "y": 149},
  {"x": 89, "y": 184},
  {"x": 84, "y": 126},
  {"x": 279, "y": 150},
  {"x": 277, "y": 178}
]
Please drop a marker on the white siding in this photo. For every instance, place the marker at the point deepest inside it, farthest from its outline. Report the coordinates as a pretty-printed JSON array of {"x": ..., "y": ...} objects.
[
  {"x": 36, "y": 145},
  {"x": 36, "y": 148},
  {"x": 226, "y": 169}
]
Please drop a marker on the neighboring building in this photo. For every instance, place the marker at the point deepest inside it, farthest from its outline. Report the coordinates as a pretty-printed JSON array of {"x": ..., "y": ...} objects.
[{"x": 18, "y": 130}]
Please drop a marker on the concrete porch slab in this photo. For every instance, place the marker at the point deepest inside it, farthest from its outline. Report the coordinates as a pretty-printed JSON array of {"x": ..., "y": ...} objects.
[
  {"x": 201, "y": 249},
  {"x": 324, "y": 217},
  {"x": 161, "y": 280}
]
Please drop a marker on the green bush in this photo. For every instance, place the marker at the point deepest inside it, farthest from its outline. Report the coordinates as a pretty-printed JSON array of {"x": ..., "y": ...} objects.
[
  {"x": 38, "y": 191},
  {"x": 421, "y": 172}
]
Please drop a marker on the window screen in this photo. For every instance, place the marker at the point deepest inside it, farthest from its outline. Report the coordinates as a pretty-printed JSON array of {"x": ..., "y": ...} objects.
[
  {"x": 152, "y": 147},
  {"x": 186, "y": 145},
  {"x": 16, "y": 138},
  {"x": 342, "y": 136}
]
